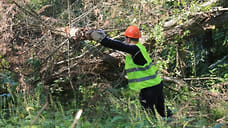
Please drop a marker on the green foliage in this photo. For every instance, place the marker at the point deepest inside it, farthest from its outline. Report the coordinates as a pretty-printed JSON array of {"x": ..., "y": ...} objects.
[
  {"x": 3, "y": 62},
  {"x": 7, "y": 79},
  {"x": 56, "y": 86},
  {"x": 38, "y": 4},
  {"x": 157, "y": 33},
  {"x": 220, "y": 41},
  {"x": 192, "y": 104},
  {"x": 219, "y": 111},
  {"x": 35, "y": 63}
]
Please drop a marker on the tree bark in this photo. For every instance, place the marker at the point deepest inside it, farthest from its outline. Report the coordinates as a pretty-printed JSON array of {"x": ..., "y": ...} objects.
[{"x": 198, "y": 23}]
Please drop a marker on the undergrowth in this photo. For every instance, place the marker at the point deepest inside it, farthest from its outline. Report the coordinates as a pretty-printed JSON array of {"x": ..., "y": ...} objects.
[
  {"x": 117, "y": 108},
  {"x": 45, "y": 81}
]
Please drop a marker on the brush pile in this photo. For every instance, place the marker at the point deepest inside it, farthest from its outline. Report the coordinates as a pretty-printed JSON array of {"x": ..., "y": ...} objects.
[
  {"x": 35, "y": 48},
  {"x": 35, "y": 45}
]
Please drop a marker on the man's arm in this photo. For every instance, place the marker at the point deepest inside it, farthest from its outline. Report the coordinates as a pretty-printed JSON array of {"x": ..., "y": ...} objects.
[{"x": 128, "y": 48}]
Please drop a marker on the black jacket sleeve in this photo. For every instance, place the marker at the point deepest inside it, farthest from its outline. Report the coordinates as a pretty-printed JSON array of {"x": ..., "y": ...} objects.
[{"x": 124, "y": 47}]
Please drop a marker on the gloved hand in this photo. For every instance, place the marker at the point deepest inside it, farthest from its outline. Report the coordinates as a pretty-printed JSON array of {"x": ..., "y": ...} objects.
[{"x": 98, "y": 35}]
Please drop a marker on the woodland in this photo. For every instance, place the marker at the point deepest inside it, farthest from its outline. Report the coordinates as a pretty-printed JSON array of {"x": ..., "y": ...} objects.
[{"x": 49, "y": 79}]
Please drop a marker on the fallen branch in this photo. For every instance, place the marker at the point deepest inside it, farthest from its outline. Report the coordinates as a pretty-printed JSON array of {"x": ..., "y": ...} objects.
[
  {"x": 197, "y": 23},
  {"x": 77, "y": 117},
  {"x": 203, "y": 78},
  {"x": 218, "y": 62},
  {"x": 174, "y": 80},
  {"x": 38, "y": 115}
]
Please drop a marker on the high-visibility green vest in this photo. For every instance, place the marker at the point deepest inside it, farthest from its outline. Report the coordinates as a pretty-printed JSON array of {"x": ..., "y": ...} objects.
[{"x": 139, "y": 76}]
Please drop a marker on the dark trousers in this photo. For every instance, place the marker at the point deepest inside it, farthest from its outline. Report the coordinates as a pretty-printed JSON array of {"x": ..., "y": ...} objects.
[{"x": 152, "y": 97}]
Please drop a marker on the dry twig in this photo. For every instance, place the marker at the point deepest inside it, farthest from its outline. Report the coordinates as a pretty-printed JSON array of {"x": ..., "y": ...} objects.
[{"x": 38, "y": 115}]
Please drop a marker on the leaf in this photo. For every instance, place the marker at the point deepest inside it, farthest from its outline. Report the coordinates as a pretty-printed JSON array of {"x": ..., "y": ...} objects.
[{"x": 116, "y": 118}]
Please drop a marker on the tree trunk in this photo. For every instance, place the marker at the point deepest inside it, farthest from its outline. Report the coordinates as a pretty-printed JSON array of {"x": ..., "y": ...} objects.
[{"x": 197, "y": 23}]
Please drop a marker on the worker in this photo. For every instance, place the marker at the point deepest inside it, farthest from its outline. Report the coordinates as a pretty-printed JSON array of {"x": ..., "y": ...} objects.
[{"x": 141, "y": 72}]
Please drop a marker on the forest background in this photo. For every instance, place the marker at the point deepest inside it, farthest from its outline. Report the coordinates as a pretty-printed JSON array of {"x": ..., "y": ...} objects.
[{"x": 48, "y": 80}]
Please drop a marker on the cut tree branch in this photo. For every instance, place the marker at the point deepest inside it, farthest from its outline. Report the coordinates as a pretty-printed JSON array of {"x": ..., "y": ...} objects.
[{"x": 174, "y": 80}]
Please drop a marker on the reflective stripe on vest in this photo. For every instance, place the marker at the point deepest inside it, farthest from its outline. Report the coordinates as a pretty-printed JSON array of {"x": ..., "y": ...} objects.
[
  {"x": 139, "y": 76},
  {"x": 143, "y": 79},
  {"x": 139, "y": 69}
]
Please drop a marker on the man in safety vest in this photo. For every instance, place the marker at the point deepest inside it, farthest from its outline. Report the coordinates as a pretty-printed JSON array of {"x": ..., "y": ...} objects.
[{"x": 141, "y": 72}]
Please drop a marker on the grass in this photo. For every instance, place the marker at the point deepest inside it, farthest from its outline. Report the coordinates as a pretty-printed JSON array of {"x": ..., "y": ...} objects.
[{"x": 117, "y": 109}]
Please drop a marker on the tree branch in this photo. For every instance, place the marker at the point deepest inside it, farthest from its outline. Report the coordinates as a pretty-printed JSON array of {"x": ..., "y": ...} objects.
[
  {"x": 174, "y": 80},
  {"x": 197, "y": 23},
  {"x": 203, "y": 78},
  {"x": 37, "y": 116}
]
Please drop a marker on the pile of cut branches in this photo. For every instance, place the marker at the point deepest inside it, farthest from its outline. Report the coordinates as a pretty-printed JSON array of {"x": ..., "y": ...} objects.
[
  {"x": 37, "y": 49},
  {"x": 41, "y": 51}
]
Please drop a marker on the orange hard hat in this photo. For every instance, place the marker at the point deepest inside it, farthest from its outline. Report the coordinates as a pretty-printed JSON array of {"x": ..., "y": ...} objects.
[{"x": 132, "y": 32}]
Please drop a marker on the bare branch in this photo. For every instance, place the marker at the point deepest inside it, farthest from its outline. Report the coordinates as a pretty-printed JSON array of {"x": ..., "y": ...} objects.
[
  {"x": 203, "y": 78},
  {"x": 77, "y": 117},
  {"x": 38, "y": 115}
]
